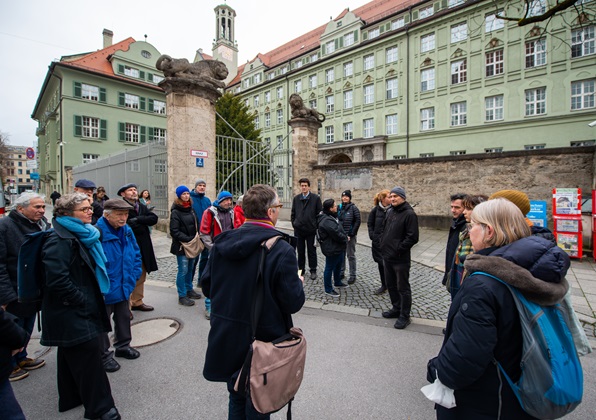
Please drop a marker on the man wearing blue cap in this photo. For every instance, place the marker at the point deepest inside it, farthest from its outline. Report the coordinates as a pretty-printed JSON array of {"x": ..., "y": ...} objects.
[{"x": 216, "y": 219}]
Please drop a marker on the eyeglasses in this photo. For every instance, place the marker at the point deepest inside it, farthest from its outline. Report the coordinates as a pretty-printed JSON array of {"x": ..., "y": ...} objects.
[
  {"x": 84, "y": 209},
  {"x": 277, "y": 206}
]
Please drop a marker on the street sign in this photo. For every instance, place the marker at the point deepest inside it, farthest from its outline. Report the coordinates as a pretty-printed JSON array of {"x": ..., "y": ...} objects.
[
  {"x": 32, "y": 164},
  {"x": 199, "y": 153},
  {"x": 200, "y": 162},
  {"x": 34, "y": 175},
  {"x": 30, "y": 153}
]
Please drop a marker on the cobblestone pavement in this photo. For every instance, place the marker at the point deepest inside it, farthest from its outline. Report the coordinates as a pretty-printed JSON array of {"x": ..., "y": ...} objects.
[{"x": 430, "y": 300}]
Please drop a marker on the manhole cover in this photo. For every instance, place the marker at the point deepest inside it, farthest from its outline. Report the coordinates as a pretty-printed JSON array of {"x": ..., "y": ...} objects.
[{"x": 153, "y": 331}]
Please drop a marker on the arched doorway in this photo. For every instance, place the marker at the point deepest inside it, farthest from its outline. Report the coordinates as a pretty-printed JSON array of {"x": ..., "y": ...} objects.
[{"x": 340, "y": 158}]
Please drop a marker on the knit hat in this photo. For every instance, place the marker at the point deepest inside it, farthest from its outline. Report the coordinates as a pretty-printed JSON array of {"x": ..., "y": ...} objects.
[
  {"x": 398, "y": 191},
  {"x": 518, "y": 198},
  {"x": 327, "y": 204},
  {"x": 200, "y": 181},
  {"x": 181, "y": 190},
  {"x": 223, "y": 195},
  {"x": 347, "y": 193}
]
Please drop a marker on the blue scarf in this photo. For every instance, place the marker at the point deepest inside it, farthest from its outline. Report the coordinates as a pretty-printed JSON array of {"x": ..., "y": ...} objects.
[{"x": 89, "y": 236}]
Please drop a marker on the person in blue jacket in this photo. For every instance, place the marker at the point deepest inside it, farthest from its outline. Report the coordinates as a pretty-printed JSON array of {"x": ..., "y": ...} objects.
[
  {"x": 200, "y": 203},
  {"x": 124, "y": 267}
]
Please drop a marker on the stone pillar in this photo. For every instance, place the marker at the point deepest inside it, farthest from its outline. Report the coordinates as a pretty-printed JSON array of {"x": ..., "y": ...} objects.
[
  {"x": 305, "y": 144},
  {"x": 191, "y": 126}
]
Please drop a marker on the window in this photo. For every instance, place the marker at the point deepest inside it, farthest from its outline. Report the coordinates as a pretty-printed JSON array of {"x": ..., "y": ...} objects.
[
  {"x": 459, "y": 32},
  {"x": 258, "y": 78},
  {"x": 87, "y": 157},
  {"x": 246, "y": 83},
  {"x": 348, "y": 131},
  {"x": 453, "y": 3},
  {"x": 426, "y": 12},
  {"x": 536, "y": 101},
  {"x": 458, "y": 72},
  {"x": 348, "y": 99},
  {"x": 329, "y": 134},
  {"x": 90, "y": 127},
  {"x": 582, "y": 94},
  {"x": 314, "y": 57},
  {"x": 280, "y": 93},
  {"x": 132, "y": 72},
  {"x": 459, "y": 114},
  {"x": 391, "y": 55},
  {"x": 391, "y": 124},
  {"x": 427, "y": 80},
  {"x": 373, "y": 33},
  {"x": 493, "y": 108},
  {"x": 267, "y": 97},
  {"x": 329, "y": 75},
  {"x": 582, "y": 143},
  {"x": 89, "y": 92},
  {"x": 280, "y": 142},
  {"x": 398, "y": 23},
  {"x": 427, "y": 119},
  {"x": 330, "y": 104},
  {"x": 397, "y": 157},
  {"x": 492, "y": 23},
  {"x": 426, "y": 155},
  {"x": 427, "y": 42},
  {"x": 257, "y": 122},
  {"x": 161, "y": 166},
  {"x": 131, "y": 133},
  {"x": 457, "y": 152},
  {"x": 494, "y": 63},
  {"x": 312, "y": 81},
  {"x": 159, "y": 107},
  {"x": 348, "y": 39},
  {"x": 348, "y": 69},
  {"x": 535, "y": 53},
  {"x": 298, "y": 86},
  {"x": 369, "y": 128},
  {"x": 312, "y": 103},
  {"x": 582, "y": 41},
  {"x": 270, "y": 76},
  {"x": 536, "y": 7},
  {"x": 284, "y": 70},
  {"x": 534, "y": 146},
  {"x": 297, "y": 64},
  {"x": 391, "y": 88},
  {"x": 280, "y": 116},
  {"x": 157, "y": 78},
  {"x": 330, "y": 47},
  {"x": 267, "y": 119},
  {"x": 369, "y": 62},
  {"x": 369, "y": 94},
  {"x": 161, "y": 191},
  {"x": 131, "y": 101},
  {"x": 246, "y": 102},
  {"x": 494, "y": 150},
  {"x": 159, "y": 135},
  {"x": 255, "y": 100},
  {"x": 134, "y": 166}
]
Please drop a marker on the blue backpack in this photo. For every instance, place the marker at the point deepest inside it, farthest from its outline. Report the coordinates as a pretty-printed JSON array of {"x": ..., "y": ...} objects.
[
  {"x": 30, "y": 271},
  {"x": 551, "y": 382}
]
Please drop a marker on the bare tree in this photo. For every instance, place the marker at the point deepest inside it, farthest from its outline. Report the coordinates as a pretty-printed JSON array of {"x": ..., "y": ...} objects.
[
  {"x": 528, "y": 12},
  {"x": 3, "y": 156}
]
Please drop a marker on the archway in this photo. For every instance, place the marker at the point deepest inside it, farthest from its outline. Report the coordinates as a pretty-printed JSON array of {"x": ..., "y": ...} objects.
[{"x": 340, "y": 158}]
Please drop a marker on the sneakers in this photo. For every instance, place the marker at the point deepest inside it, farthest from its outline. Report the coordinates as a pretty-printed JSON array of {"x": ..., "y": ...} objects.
[
  {"x": 31, "y": 364},
  {"x": 352, "y": 280},
  {"x": 185, "y": 301},
  {"x": 207, "y": 313},
  {"x": 341, "y": 286},
  {"x": 193, "y": 295},
  {"x": 18, "y": 374},
  {"x": 313, "y": 275},
  {"x": 402, "y": 323},
  {"x": 332, "y": 293}
]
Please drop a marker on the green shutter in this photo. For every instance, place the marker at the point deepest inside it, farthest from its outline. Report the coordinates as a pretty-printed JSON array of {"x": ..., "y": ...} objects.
[
  {"x": 143, "y": 135},
  {"x": 437, "y": 6},
  {"x": 103, "y": 129},
  {"x": 341, "y": 42},
  {"x": 78, "y": 126},
  {"x": 443, "y": 4},
  {"x": 415, "y": 15},
  {"x": 150, "y": 131},
  {"x": 355, "y": 36},
  {"x": 121, "y": 131},
  {"x": 77, "y": 89},
  {"x": 121, "y": 68},
  {"x": 407, "y": 19},
  {"x": 150, "y": 77},
  {"x": 102, "y": 95},
  {"x": 365, "y": 36},
  {"x": 336, "y": 43},
  {"x": 142, "y": 101},
  {"x": 150, "y": 105},
  {"x": 142, "y": 75},
  {"x": 121, "y": 100}
]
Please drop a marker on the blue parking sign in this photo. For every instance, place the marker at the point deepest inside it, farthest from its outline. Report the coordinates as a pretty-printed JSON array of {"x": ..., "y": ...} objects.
[{"x": 200, "y": 162}]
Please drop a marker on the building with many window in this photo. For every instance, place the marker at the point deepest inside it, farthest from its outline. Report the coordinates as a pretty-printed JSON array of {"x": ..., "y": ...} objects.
[
  {"x": 16, "y": 173},
  {"x": 98, "y": 103},
  {"x": 407, "y": 79}
]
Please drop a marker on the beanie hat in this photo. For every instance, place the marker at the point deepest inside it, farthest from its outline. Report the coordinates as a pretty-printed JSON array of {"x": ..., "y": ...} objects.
[
  {"x": 181, "y": 189},
  {"x": 398, "y": 191},
  {"x": 200, "y": 181},
  {"x": 347, "y": 193},
  {"x": 327, "y": 204},
  {"x": 223, "y": 195},
  {"x": 518, "y": 198}
]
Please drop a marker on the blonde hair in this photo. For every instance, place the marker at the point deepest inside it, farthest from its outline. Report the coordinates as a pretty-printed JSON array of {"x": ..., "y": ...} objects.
[
  {"x": 505, "y": 218},
  {"x": 380, "y": 196}
]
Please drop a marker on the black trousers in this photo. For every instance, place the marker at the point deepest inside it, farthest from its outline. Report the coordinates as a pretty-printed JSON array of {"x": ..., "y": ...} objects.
[
  {"x": 82, "y": 379},
  {"x": 120, "y": 313},
  {"x": 306, "y": 243},
  {"x": 397, "y": 278}
]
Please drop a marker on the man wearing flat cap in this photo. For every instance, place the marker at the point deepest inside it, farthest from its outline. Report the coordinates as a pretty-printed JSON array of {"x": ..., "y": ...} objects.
[
  {"x": 400, "y": 234},
  {"x": 124, "y": 268},
  {"x": 139, "y": 220},
  {"x": 86, "y": 186}
]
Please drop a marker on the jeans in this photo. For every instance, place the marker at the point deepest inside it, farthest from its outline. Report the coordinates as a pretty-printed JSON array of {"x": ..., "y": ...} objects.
[
  {"x": 184, "y": 276},
  {"x": 304, "y": 245},
  {"x": 9, "y": 406},
  {"x": 202, "y": 263},
  {"x": 332, "y": 267},
  {"x": 27, "y": 324},
  {"x": 241, "y": 408},
  {"x": 351, "y": 254}
]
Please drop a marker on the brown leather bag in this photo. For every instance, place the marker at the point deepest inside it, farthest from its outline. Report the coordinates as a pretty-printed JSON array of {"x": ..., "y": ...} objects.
[{"x": 193, "y": 248}]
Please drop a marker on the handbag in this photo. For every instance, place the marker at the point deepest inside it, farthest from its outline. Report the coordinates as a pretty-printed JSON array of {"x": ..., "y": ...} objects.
[
  {"x": 272, "y": 371},
  {"x": 194, "y": 247}
]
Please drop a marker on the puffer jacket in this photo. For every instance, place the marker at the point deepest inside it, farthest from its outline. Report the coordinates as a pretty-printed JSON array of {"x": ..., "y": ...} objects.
[
  {"x": 200, "y": 203},
  {"x": 483, "y": 324},
  {"x": 332, "y": 236},
  {"x": 400, "y": 233},
  {"x": 349, "y": 217},
  {"x": 375, "y": 230},
  {"x": 183, "y": 227},
  {"x": 211, "y": 225}
]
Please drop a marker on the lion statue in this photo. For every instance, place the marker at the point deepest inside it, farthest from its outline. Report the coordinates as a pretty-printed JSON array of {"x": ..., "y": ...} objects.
[
  {"x": 301, "y": 111},
  {"x": 209, "y": 72}
]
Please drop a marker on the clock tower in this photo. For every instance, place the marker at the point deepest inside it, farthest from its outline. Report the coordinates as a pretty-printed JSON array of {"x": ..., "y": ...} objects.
[{"x": 224, "y": 45}]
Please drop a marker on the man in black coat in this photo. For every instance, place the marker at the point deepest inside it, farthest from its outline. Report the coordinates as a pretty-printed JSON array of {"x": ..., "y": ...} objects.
[
  {"x": 305, "y": 208},
  {"x": 400, "y": 234},
  {"x": 12, "y": 340},
  {"x": 349, "y": 217},
  {"x": 27, "y": 216},
  {"x": 457, "y": 225},
  {"x": 139, "y": 220}
]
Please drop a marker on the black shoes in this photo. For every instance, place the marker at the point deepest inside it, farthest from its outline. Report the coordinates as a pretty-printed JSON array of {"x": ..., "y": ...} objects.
[
  {"x": 111, "y": 365},
  {"x": 380, "y": 290},
  {"x": 391, "y": 313},
  {"x": 184, "y": 301},
  {"x": 313, "y": 275},
  {"x": 127, "y": 353},
  {"x": 112, "y": 414},
  {"x": 402, "y": 323},
  {"x": 193, "y": 295},
  {"x": 341, "y": 286},
  {"x": 352, "y": 280}
]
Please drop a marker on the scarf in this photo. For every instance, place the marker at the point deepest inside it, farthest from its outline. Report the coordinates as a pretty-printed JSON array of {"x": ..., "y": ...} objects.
[
  {"x": 384, "y": 208},
  {"x": 261, "y": 222},
  {"x": 88, "y": 235}
]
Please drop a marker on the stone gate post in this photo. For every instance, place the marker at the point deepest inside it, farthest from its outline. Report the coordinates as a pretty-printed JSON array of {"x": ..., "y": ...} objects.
[{"x": 305, "y": 139}]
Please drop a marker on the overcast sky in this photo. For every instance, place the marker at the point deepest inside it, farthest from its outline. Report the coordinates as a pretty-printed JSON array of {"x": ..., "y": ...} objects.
[{"x": 33, "y": 33}]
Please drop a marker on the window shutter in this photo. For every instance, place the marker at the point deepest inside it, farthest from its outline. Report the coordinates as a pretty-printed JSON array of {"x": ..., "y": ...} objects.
[
  {"x": 150, "y": 109},
  {"x": 150, "y": 131},
  {"x": 341, "y": 42},
  {"x": 121, "y": 131},
  {"x": 437, "y": 6},
  {"x": 142, "y": 105},
  {"x": 103, "y": 129},
  {"x": 121, "y": 68},
  {"x": 415, "y": 15},
  {"x": 150, "y": 77},
  {"x": 78, "y": 126},
  {"x": 121, "y": 101},
  {"x": 365, "y": 36},
  {"x": 77, "y": 89},
  {"x": 142, "y": 75},
  {"x": 443, "y": 4},
  {"x": 143, "y": 136},
  {"x": 406, "y": 19},
  {"x": 336, "y": 44},
  {"x": 102, "y": 95},
  {"x": 355, "y": 36}
]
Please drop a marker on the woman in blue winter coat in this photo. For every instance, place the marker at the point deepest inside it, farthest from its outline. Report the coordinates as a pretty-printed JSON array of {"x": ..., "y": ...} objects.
[
  {"x": 483, "y": 323},
  {"x": 333, "y": 240}
]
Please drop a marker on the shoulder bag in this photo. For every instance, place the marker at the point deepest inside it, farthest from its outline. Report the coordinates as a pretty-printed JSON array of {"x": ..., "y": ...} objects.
[{"x": 193, "y": 248}]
